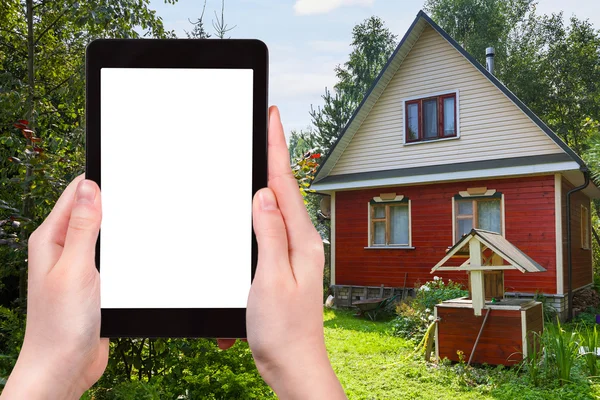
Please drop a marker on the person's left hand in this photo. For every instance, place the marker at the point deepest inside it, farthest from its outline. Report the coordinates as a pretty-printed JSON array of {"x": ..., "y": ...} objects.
[{"x": 62, "y": 354}]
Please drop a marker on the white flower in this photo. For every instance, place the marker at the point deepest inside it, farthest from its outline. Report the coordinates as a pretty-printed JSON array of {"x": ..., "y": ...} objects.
[
  {"x": 424, "y": 287},
  {"x": 431, "y": 318},
  {"x": 427, "y": 310},
  {"x": 436, "y": 278}
]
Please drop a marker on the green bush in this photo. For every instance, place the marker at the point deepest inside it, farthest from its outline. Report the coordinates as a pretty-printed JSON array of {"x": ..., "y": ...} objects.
[
  {"x": 415, "y": 316},
  {"x": 180, "y": 368},
  {"x": 410, "y": 323},
  {"x": 586, "y": 318},
  {"x": 128, "y": 390},
  {"x": 12, "y": 332},
  {"x": 436, "y": 291}
]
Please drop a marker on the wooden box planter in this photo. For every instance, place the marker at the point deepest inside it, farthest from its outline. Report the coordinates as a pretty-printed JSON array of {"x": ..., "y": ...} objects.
[{"x": 504, "y": 338}]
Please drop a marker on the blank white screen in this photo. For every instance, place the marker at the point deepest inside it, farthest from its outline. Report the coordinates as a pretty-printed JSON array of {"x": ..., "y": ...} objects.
[{"x": 176, "y": 173}]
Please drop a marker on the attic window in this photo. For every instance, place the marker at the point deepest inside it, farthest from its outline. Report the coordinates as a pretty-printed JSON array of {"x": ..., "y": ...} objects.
[{"x": 431, "y": 118}]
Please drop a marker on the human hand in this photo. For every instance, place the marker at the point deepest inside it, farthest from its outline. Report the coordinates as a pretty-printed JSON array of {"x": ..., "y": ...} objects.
[
  {"x": 284, "y": 317},
  {"x": 62, "y": 354}
]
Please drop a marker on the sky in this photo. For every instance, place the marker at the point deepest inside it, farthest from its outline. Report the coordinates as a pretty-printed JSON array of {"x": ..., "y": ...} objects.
[{"x": 307, "y": 39}]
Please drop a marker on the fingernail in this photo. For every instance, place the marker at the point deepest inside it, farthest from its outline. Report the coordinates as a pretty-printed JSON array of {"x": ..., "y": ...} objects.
[
  {"x": 86, "y": 192},
  {"x": 267, "y": 200}
]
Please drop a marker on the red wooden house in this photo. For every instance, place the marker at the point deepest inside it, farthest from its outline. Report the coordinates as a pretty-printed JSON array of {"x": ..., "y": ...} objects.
[{"x": 440, "y": 146}]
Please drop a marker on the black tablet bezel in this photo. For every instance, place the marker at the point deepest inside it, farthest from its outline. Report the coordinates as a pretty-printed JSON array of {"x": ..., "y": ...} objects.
[{"x": 178, "y": 53}]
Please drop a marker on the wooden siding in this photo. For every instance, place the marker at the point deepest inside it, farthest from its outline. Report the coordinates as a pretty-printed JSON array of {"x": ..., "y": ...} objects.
[
  {"x": 501, "y": 341},
  {"x": 530, "y": 223},
  {"x": 582, "y": 259},
  {"x": 535, "y": 323},
  {"x": 491, "y": 126}
]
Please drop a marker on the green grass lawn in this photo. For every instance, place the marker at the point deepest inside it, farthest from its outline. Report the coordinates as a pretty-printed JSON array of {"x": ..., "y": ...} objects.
[{"x": 373, "y": 364}]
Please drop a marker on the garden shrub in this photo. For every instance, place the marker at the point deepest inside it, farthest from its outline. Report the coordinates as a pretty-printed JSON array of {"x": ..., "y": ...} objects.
[
  {"x": 128, "y": 390},
  {"x": 410, "y": 322},
  {"x": 586, "y": 318},
  {"x": 436, "y": 291},
  {"x": 179, "y": 368},
  {"x": 12, "y": 332},
  {"x": 415, "y": 316}
]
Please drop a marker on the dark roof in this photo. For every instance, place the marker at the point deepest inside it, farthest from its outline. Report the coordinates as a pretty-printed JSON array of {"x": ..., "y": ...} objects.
[
  {"x": 444, "y": 168},
  {"x": 421, "y": 16},
  {"x": 499, "y": 245}
]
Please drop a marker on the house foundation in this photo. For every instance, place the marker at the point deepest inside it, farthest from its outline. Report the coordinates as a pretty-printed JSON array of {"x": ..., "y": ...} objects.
[{"x": 345, "y": 295}]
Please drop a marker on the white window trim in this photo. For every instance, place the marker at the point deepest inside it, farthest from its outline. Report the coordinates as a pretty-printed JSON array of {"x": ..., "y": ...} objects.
[
  {"x": 502, "y": 216},
  {"x": 387, "y": 247},
  {"x": 457, "y": 122}
]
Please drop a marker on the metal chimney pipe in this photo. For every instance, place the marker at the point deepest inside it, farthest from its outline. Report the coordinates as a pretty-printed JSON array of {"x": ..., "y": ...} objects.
[{"x": 489, "y": 57}]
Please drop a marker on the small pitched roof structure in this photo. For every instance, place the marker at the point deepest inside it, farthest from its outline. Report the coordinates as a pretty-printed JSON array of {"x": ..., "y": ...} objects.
[
  {"x": 421, "y": 22},
  {"x": 498, "y": 245}
]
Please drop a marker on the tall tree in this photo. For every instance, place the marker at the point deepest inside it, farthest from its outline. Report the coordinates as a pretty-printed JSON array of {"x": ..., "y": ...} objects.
[
  {"x": 478, "y": 24},
  {"x": 198, "y": 32},
  {"x": 550, "y": 64},
  {"x": 219, "y": 25},
  {"x": 42, "y": 49},
  {"x": 554, "y": 67},
  {"x": 372, "y": 44},
  {"x": 221, "y": 28}
]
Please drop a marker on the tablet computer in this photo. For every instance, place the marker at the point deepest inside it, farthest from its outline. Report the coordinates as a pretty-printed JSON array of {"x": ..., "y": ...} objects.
[{"x": 176, "y": 138}]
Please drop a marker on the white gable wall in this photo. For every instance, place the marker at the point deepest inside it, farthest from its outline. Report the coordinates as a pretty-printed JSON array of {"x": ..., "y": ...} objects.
[{"x": 491, "y": 126}]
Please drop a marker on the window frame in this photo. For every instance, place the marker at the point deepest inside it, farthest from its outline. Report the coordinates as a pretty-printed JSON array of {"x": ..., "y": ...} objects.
[
  {"x": 405, "y": 202},
  {"x": 439, "y": 97},
  {"x": 585, "y": 228},
  {"x": 474, "y": 216}
]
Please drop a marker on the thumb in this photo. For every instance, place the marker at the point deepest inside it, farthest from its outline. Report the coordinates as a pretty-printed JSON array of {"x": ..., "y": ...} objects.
[
  {"x": 84, "y": 223},
  {"x": 271, "y": 235}
]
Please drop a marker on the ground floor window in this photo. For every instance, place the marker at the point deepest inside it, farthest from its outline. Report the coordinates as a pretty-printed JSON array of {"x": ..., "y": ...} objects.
[
  {"x": 480, "y": 213},
  {"x": 390, "y": 224},
  {"x": 585, "y": 228}
]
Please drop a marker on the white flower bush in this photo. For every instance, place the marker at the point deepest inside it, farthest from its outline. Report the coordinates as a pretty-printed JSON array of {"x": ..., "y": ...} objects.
[{"x": 415, "y": 316}]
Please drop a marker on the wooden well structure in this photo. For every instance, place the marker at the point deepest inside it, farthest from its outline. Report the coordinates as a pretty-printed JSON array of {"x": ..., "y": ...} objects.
[{"x": 484, "y": 326}]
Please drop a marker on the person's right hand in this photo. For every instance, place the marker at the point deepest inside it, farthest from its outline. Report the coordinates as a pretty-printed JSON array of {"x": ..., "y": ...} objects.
[{"x": 285, "y": 308}]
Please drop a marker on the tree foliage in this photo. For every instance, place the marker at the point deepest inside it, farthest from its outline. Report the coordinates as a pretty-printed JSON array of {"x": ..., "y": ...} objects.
[
  {"x": 179, "y": 368},
  {"x": 554, "y": 66},
  {"x": 219, "y": 25},
  {"x": 42, "y": 48},
  {"x": 551, "y": 64},
  {"x": 372, "y": 44},
  {"x": 478, "y": 24},
  {"x": 198, "y": 32}
]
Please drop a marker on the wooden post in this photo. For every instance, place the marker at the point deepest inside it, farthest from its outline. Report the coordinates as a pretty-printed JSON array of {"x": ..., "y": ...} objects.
[
  {"x": 476, "y": 277},
  {"x": 497, "y": 260},
  {"x": 381, "y": 292}
]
